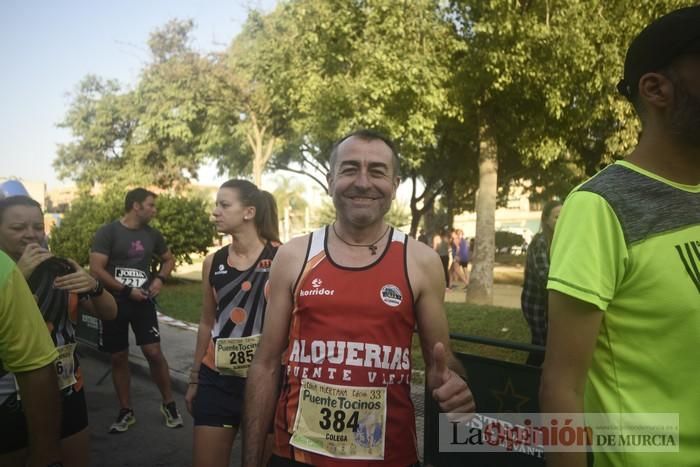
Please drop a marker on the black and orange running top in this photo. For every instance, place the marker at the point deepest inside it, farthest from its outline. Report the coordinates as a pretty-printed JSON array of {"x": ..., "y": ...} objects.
[
  {"x": 59, "y": 310},
  {"x": 241, "y": 297},
  {"x": 346, "y": 399}
]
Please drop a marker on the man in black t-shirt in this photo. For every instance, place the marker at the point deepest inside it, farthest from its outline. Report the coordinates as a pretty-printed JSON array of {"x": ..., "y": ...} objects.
[{"x": 121, "y": 258}]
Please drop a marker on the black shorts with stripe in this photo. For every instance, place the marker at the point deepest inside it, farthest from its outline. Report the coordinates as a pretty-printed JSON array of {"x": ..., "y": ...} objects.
[
  {"x": 142, "y": 316},
  {"x": 219, "y": 399}
]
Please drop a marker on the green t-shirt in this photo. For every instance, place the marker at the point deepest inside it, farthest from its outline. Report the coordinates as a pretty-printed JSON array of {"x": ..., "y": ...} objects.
[
  {"x": 25, "y": 343},
  {"x": 628, "y": 242}
]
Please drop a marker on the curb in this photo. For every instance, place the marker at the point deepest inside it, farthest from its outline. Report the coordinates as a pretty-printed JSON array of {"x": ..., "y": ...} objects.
[{"x": 138, "y": 363}]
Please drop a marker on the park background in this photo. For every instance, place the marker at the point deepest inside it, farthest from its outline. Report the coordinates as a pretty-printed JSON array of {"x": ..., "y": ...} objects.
[{"x": 496, "y": 107}]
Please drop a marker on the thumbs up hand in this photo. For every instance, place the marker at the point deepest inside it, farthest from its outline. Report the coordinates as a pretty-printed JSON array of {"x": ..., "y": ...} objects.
[{"x": 449, "y": 390}]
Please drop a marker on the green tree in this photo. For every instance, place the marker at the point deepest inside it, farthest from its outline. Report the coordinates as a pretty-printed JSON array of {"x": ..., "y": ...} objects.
[
  {"x": 171, "y": 102},
  {"x": 536, "y": 81},
  {"x": 333, "y": 66},
  {"x": 151, "y": 135},
  {"x": 291, "y": 205},
  {"x": 244, "y": 135},
  {"x": 73, "y": 236},
  {"x": 101, "y": 120},
  {"x": 185, "y": 224},
  {"x": 183, "y": 221}
]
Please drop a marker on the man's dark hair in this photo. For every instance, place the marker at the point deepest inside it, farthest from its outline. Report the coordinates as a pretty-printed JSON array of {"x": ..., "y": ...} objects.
[
  {"x": 137, "y": 195},
  {"x": 19, "y": 200},
  {"x": 658, "y": 45},
  {"x": 367, "y": 135}
]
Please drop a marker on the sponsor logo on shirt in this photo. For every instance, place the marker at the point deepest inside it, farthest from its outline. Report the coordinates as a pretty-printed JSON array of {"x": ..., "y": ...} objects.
[
  {"x": 136, "y": 250},
  {"x": 264, "y": 265},
  {"x": 689, "y": 254},
  {"x": 345, "y": 360},
  {"x": 316, "y": 283},
  {"x": 222, "y": 270},
  {"x": 391, "y": 295}
]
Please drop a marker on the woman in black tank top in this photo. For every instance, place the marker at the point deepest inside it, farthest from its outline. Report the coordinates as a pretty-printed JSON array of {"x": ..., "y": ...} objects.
[{"x": 234, "y": 280}]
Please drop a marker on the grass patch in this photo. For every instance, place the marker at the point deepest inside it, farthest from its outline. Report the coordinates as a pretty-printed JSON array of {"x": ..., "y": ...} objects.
[
  {"x": 507, "y": 259},
  {"x": 182, "y": 299},
  {"x": 484, "y": 321}
]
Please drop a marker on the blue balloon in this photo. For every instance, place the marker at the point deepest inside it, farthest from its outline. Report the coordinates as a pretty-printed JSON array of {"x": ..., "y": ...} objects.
[{"x": 13, "y": 188}]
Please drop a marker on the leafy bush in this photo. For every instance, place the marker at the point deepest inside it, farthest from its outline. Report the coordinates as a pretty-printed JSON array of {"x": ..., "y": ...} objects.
[
  {"x": 184, "y": 222},
  {"x": 506, "y": 240},
  {"x": 73, "y": 236}
]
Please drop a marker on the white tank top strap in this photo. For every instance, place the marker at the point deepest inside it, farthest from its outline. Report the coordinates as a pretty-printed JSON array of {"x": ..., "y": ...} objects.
[
  {"x": 398, "y": 236},
  {"x": 316, "y": 243}
]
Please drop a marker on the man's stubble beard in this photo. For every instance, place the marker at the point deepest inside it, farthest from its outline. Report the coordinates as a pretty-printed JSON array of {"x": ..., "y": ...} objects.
[
  {"x": 684, "y": 120},
  {"x": 362, "y": 221}
]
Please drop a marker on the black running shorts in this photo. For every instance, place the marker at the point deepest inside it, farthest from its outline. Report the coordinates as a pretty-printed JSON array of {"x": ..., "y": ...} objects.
[
  {"x": 141, "y": 316},
  {"x": 13, "y": 429},
  {"x": 219, "y": 399}
]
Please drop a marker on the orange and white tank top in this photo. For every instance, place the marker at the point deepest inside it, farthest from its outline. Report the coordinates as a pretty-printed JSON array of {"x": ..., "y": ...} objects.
[{"x": 345, "y": 399}]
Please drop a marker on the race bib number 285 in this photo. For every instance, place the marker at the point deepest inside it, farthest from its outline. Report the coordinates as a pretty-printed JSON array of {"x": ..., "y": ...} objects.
[
  {"x": 341, "y": 421},
  {"x": 235, "y": 354}
]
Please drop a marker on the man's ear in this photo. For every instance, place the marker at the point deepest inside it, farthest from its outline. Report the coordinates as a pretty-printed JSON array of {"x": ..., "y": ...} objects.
[
  {"x": 656, "y": 89},
  {"x": 329, "y": 183},
  {"x": 397, "y": 182}
]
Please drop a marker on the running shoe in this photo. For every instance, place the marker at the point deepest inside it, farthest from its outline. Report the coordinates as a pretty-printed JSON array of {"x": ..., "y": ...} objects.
[
  {"x": 125, "y": 419},
  {"x": 172, "y": 416}
]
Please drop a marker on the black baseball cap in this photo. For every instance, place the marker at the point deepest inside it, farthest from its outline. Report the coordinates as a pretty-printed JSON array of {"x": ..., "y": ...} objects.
[{"x": 665, "y": 39}]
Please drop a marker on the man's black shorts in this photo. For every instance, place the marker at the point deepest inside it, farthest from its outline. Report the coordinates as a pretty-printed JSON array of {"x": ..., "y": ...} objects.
[
  {"x": 13, "y": 429},
  {"x": 142, "y": 316}
]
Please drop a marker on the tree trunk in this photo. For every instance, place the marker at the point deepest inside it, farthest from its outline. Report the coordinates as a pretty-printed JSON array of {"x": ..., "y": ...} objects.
[
  {"x": 262, "y": 150},
  {"x": 480, "y": 288}
]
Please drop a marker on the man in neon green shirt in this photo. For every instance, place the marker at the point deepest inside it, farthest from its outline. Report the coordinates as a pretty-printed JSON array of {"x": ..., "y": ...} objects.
[
  {"x": 624, "y": 316},
  {"x": 26, "y": 349}
]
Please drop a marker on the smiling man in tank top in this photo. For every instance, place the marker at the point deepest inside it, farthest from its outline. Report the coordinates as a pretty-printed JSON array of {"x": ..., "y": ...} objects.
[{"x": 343, "y": 304}]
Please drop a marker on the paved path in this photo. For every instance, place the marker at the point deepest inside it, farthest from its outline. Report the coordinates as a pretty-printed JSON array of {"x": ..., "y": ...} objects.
[{"x": 178, "y": 341}]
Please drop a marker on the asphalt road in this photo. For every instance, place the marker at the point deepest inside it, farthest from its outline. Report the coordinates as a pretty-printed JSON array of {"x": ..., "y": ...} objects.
[{"x": 148, "y": 443}]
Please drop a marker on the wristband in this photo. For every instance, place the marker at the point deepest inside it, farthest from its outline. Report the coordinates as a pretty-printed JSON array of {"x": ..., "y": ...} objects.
[
  {"x": 95, "y": 292},
  {"x": 125, "y": 292}
]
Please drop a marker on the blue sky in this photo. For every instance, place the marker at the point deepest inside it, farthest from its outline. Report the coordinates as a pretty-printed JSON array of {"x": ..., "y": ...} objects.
[{"x": 47, "y": 47}]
